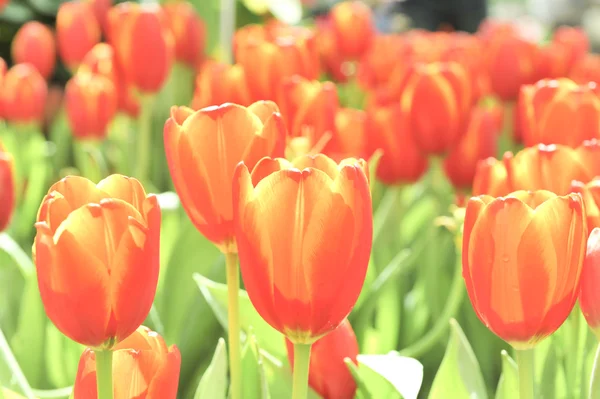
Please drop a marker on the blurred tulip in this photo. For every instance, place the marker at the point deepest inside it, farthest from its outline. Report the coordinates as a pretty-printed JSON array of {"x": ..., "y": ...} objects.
[
  {"x": 91, "y": 103},
  {"x": 586, "y": 69},
  {"x": 97, "y": 256},
  {"x": 143, "y": 43},
  {"x": 387, "y": 129},
  {"x": 34, "y": 44},
  {"x": 437, "y": 97},
  {"x": 143, "y": 367},
  {"x": 349, "y": 138},
  {"x": 328, "y": 374},
  {"x": 574, "y": 40},
  {"x": 550, "y": 108},
  {"x": 7, "y": 188},
  {"x": 522, "y": 261},
  {"x": 189, "y": 31},
  {"x": 491, "y": 178},
  {"x": 3, "y": 4},
  {"x": 590, "y": 193},
  {"x": 3, "y": 70},
  {"x": 77, "y": 31},
  {"x": 492, "y": 29},
  {"x": 23, "y": 95},
  {"x": 332, "y": 60},
  {"x": 101, "y": 8},
  {"x": 218, "y": 83},
  {"x": 203, "y": 148},
  {"x": 352, "y": 23},
  {"x": 311, "y": 218},
  {"x": 589, "y": 297},
  {"x": 552, "y": 62},
  {"x": 54, "y": 105},
  {"x": 479, "y": 142}
]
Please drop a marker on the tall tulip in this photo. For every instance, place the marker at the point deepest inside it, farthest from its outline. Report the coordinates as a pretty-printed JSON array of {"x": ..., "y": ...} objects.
[
  {"x": 218, "y": 83},
  {"x": 589, "y": 297},
  {"x": 7, "y": 188},
  {"x": 23, "y": 95},
  {"x": 34, "y": 44},
  {"x": 189, "y": 32},
  {"x": 352, "y": 23},
  {"x": 586, "y": 69},
  {"x": 77, "y": 31},
  {"x": 301, "y": 226}
]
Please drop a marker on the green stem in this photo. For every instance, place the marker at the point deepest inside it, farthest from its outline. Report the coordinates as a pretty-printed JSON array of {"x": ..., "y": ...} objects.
[
  {"x": 595, "y": 377},
  {"x": 144, "y": 137},
  {"x": 233, "y": 288},
  {"x": 104, "y": 374},
  {"x": 525, "y": 364},
  {"x": 301, "y": 368},
  {"x": 227, "y": 29},
  {"x": 573, "y": 354},
  {"x": 89, "y": 160}
]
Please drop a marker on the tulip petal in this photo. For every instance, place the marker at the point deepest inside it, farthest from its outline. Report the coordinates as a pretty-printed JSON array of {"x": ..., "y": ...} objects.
[{"x": 124, "y": 188}]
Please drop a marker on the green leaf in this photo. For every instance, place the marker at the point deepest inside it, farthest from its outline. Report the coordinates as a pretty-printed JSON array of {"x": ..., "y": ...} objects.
[
  {"x": 279, "y": 377},
  {"x": 373, "y": 164},
  {"x": 595, "y": 378},
  {"x": 404, "y": 374},
  {"x": 288, "y": 11},
  {"x": 11, "y": 375},
  {"x": 62, "y": 357},
  {"x": 459, "y": 371},
  {"x": 258, "y": 7},
  {"x": 11, "y": 289},
  {"x": 268, "y": 338},
  {"x": 60, "y": 393},
  {"x": 254, "y": 379},
  {"x": 508, "y": 385},
  {"x": 214, "y": 381}
]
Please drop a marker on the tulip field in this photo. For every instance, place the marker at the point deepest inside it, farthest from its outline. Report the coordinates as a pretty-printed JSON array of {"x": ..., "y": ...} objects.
[{"x": 222, "y": 199}]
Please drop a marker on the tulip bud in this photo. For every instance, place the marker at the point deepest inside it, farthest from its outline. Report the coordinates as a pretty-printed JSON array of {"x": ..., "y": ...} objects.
[
  {"x": 311, "y": 218},
  {"x": 203, "y": 148},
  {"x": 328, "y": 374},
  {"x": 586, "y": 69},
  {"x": 352, "y": 22},
  {"x": 188, "y": 32},
  {"x": 589, "y": 297},
  {"x": 34, "y": 44},
  {"x": 101, "y": 8},
  {"x": 349, "y": 139},
  {"x": 522, "y": 260},
  {"x": 469, "y": 51},
  {"x": 91, "y": 103},
  {"x": 218, "y": 83},
  {"x": 574, "y": 40},
  {"x": 77, "y": 31},
  {"x": 143, "y": 367},
  {"x": 97, "y": 255},
  {"x": 491, "y": 178},
  {"x": 7, "y": 191},
  {"x": 23, "y": 95},
  {"x": 552, "y": 61}
]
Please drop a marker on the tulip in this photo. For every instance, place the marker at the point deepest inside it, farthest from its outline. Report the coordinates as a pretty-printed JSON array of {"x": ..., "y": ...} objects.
[
  {"x": 437, "y": 98},
  {"x": 189, "y": 32},
  {"x": 491, "y": 178},
  {"x": 77, "y": 31},
  {"x": 522, "y": 261},
  {"x": 349, "y": 138},
  {"x": 589, "y": 297},
  {"x": 7, "y": 187},
  {"x": 590, "y": 193},
  {"x": 332, "y": 60},
  {"x": 23, "y": 95},
  {"x": 586, "y": 69},
  {"x": 550, "y": 108},
  {"x": 218, "y": 83},
  {"x": 143, "y": 367},
  {"x": 574, "y": 40},
  {"x": 375, "y": 71},
  {"x": 553, "y": 61},
  {"x": 352, "y": 22},
  {"x": 101, "y": 8},
  {"x": 328, "y": 374},
  {"x": 387, "y": 129},
  {"x": 479, "y": 142},
  {"x": 34, "y": 44},
  {"x": 97, "y": 256}
]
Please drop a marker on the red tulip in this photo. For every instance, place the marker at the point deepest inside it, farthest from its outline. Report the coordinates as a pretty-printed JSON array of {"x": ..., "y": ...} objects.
[
  {"x": 189, "y": 32},
  {"x": 574, "y": 40},
  {"x": 23, "y": 95},
  {"x": 34, "y": 44},
  {"x": 352, "y": 23},
  {"x": 589, "y": 298},
  {"x": 77, "y": 31},
  {"x": 7, "y": 188},
  {"x": 218, "y": 83}
]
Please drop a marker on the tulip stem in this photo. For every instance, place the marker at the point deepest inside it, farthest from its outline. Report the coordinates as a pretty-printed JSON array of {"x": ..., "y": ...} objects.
[
  {"x": 235, "y": 360},
  {"x": 525, "y": 364},
  {"x": 104, "y": 374},
  {"x": 144, "y": 137},
  {"x": 301, "y": 368}
]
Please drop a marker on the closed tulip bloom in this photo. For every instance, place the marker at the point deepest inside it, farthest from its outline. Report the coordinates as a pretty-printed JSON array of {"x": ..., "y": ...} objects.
[
  {"x": 550, "y": 108},
  {"x": 34, "y": 44},
  {"x": 143, "y": 367},
  {"x": 590, "y": 193},
  {"x": 349, "y": 139},
  {"x": 352, "y": 22},
  {"x": 553, "y": 61},
  {"x": 203, "y": 148},
  {"x": 23, "y": 95},
  {"x": 7, "y": 188},
  {"x": 586, "y": 69},
  {"x": 479, "y": 142},
  {"x": 438, "y": 99},
  {"x": 491, "y": 178},
  {"x": 388, "y": 129},
  {"x": 332, "y": 61},
  {"x": 77, "y": 31},
  {"x": 375, "y": 71},
  {"x": 522, "y": 261},
  {"x": 97, "y": 256},
  {"x": 574, "y": 40},
  {"x": 589, "y": 297},
  {"x": 91, "y": 103},
  {"x": 301, "y": 226},
  {"x": 189, "y": 32},
  {"x": 143, "y": 43},
  {"x": 328, "y": 374},
  {"x": 101, "y": 8},
  {"x": 218, "y": 83}
]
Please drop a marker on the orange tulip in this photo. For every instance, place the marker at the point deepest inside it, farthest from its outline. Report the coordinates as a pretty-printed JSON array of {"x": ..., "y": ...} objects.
[
  {"x": 203, "y": 148},
  {"x": 218, "y": 83},
  {"x": 387, "y": 129},
  {"x": 332, "y": 60},
  {"x": 522, "y": 261},
  {"x": 375, "y": 71},
  {"x": 91, "y": 103},
  {"x": 34, "y": 44},
  {"x": 328, "y": 374},
  {"x": 590, "y": 193},
  {"x": 101, "y": 8},
  {"x": 143, "y": 367},
  {"x": 479, "y": 142},
  {"x": 143, "y": 43},
  {"x": 437, "y": 97},
  {"x": 189, "y": 32},
  {"x": 586, "y": 69},
  {"x": 7, "y": 188},
  {"x": 491, "y": 178},
  {"x": 589, "y": 297},
  {"x": 574, "y": 40},
  {"x": 553, "y": 61},
  {"x": 97, "y": 259},
  {"x": 349, "y": 139},
  {"x": 550, "y": 108},
  {"x": 301, "y": 226},
  {"x": 77, "y": 31},
  {"x": 23, "y": 95},
  {"x": 352, "y": 22}
]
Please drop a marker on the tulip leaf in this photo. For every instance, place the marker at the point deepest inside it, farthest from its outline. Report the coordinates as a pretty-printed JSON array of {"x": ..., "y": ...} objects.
[
  {"x": 62, "y": 357},
  {"x": 258, "y": 7},
  {"x": 459, "y": 371},
  {"x": 391, "y": 375},
  {"x": 214, "y": 381},
  {"x": 268, "y": 338},
  {"x": 11, "y": 375},
  {"x": 279, "y": 377},
  {"x": 60, "y": 393},
  {"x": 373, "y": 165},
  {"x": 508, "y": 384},
  {"x": 10, "y": 295},
  {"x": 254, "y": 381}
]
